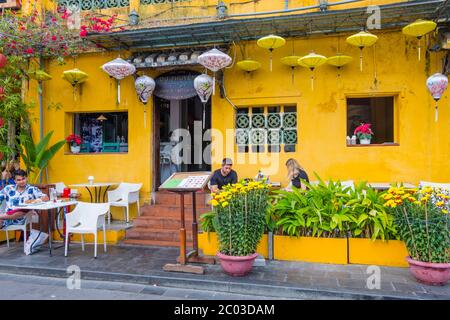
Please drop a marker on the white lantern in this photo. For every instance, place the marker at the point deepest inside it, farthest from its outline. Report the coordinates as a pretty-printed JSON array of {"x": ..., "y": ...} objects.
[
  {"x": 204, "y": 84},
  {"x": 144, "y": 88},
  {"x": 437, "y": 84},
  {"x": 214, "y": 60},
  {"x": 119, "y": 69}
]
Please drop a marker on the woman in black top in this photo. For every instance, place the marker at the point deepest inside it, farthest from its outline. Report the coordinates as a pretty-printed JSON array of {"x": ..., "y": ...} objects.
[{"x": 295, "y": 174}]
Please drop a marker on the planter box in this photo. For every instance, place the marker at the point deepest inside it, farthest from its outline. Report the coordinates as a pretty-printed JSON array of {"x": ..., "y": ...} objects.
[
  {"x": 209, "y": 244},
  {"x": 390, "y": 253},
  {"x": 12, "y": 236},
  {"x": 308, "y": 249}
]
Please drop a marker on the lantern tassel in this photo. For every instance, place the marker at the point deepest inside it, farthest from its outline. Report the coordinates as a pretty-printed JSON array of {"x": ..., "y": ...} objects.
[
  {"x": 145, "y": 116},
  {"x": 214, "y": 84},
  {"x": 293, "y": 74},
  {"x": 118, "y": 92},
  {"x": 436, "y": 115},
  {"x": 361, "y": 60},
  {"x": 312, "y": 82},
  {"x": 204, "y": 117},
  {"x": 419, "y": 50},
  {"x": 271, "y": 60}
]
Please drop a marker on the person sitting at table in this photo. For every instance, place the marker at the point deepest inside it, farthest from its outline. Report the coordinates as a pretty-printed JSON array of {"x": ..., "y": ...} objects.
[
  {"x": 16, "y": 195},
  {"x": 223, "y": 176},
  {"x": 296, "y": 173}
]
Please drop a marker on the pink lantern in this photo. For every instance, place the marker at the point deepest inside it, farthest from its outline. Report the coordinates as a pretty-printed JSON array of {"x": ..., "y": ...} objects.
[
  {"x": 214, "y": 60},
  {"x": 119, "y": 69},
  {"x": 144, "y": 87},
  {"x": 204, "y": 84},
  {"x": 437, "y": 84}
]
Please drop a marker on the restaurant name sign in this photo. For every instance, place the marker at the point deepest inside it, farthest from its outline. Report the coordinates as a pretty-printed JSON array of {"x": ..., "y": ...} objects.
[{"x": 176, "y": 85}]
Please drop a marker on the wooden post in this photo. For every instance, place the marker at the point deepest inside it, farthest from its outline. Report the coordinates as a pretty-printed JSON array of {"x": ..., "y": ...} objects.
[
  {"x": 182, "y": 233},
  {"x": 194, "y": 226}
]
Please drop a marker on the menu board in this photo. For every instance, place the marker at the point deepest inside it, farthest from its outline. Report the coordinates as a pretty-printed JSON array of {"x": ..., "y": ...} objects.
[{"x": 186, "y": 181}]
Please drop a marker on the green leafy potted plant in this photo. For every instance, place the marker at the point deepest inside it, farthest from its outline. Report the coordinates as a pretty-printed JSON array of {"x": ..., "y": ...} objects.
[
  {"x": 240, "y": 212},
  {"x": 423, "y": 221},
  {"x": 364, "y": 133},
  {"x": 37, "y": 156}
]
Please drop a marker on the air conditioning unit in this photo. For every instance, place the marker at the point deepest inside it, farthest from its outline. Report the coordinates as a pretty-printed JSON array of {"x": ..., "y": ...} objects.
[{"x": 10, "y": 4}]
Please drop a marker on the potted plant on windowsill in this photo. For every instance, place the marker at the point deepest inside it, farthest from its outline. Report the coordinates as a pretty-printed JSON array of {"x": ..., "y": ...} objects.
[
  {"x": 423, "y": 221},
  {"x": 240, "y": 212},
  {"x": 364, "y": 133},
  {"x": 74, "y": 141}
]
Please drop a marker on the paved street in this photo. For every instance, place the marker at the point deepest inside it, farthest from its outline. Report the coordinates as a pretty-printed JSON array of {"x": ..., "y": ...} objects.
[{"x": 24, "y": 287}]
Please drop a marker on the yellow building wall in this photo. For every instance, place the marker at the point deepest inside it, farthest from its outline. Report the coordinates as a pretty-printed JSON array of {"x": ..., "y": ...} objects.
[
  {"x": 390, "y": 68},
  {"x": 424, "y": 146}
]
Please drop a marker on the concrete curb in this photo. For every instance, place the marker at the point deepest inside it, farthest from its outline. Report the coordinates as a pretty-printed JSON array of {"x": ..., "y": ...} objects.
[{"x": 259, "y": 288}]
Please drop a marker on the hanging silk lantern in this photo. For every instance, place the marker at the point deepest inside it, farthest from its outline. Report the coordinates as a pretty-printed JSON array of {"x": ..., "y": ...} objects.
[
  {"x": 248, "y": 65},
  {"x": 144, "y": 87},
  {"x": 214, "y": 60},
  {"x": 291, "y": 61},
  {"x": 362, "y": 40},
  {"x": 204, "y": 84},
  {"x": 312, "y": 61},
  {"x": 119, "y": 69},
  {"x": 39, "y": 75},
  {"x": 3, "y": 60},
  {"x": 75, "y": 77},
  {"x": 437, "y": 84},
  {"x": 418, "y": 29},
  {"x": 271, "y": 42},
  {"x": 339, "y": 61}
]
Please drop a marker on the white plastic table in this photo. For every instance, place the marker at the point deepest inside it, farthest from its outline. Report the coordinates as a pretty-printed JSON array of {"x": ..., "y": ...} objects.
[
  {"x": 97, "y": 185},
  {"x": 48, "y": 206}
]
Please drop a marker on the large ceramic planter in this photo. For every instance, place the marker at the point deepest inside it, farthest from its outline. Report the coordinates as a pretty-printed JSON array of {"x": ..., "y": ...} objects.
[
  {"x": 435, "y": 274},
  {"x": 237, "y": 266}
]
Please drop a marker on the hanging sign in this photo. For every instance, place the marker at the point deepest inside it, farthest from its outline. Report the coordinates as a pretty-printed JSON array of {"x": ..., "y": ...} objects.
[{"x": 176, "y": 85}]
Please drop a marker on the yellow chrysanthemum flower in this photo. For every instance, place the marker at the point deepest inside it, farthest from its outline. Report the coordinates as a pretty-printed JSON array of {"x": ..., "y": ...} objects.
[
  {"x": 445, "y": 211},
  {"x": 440, "y": 203},
  {"x": 225, "y": 204},
  {"x": 214, "y": 203}
]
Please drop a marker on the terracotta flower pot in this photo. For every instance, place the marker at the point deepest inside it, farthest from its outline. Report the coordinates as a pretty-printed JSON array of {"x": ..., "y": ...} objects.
[
  {"x": 435, "y": 274},
  {"x": 237, "y": 266}
]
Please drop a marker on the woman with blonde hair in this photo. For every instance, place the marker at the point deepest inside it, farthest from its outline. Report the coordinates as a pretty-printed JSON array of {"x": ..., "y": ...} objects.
[{"x": 295, "y": 174}]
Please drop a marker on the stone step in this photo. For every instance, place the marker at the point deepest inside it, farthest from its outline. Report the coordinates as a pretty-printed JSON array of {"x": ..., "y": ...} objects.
[
  {"x": 141, "y": 242},
  {"x": 168, "y": 198},
  {"x": 156, "y": 234},
  {"x": 171, "y": 223},
  {"x": 171, "y": 211}
]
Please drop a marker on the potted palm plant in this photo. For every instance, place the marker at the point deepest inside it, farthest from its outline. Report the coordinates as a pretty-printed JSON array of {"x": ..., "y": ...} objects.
[
  {"x": 364, "y": 133},
  {"x": 240, "y": 211},
  {"x": 423, "y": 222}
]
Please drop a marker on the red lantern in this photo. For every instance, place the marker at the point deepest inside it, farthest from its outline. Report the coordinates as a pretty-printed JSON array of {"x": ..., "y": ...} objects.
[
  {"x": 2, "y": 93},
  {"x": 3, "y": 60}
]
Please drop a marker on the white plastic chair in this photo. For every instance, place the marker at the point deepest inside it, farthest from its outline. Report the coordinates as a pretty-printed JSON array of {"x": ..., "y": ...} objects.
[
  {"x": 424, "y": 184},
  {"x": 123, "y": 196},
  {"x": 348, "y": 183},
  {"x": 87, "y": 218},
  {"x": 18, "y": 227}
]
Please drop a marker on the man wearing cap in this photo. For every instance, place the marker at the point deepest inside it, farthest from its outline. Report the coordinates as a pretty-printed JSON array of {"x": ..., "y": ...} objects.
[{"x": 223, "y": 176}]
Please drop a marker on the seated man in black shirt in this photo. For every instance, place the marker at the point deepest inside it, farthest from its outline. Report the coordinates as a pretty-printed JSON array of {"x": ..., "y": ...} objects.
[{"x": 223, "y": 176}]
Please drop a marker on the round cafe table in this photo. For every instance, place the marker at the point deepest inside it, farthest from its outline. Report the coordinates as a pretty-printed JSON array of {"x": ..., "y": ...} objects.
[{"x": 97, "y": 187}]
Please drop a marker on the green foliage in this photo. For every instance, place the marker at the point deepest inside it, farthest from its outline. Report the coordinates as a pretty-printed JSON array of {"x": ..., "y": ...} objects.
[
  {"x": 332, "y": 210},
  {"x": 37, "y": 156},
  {"x": 240, "y": 217},
  {"x": 207, "y": 221},
  {"x": 424, "y": 227}
]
